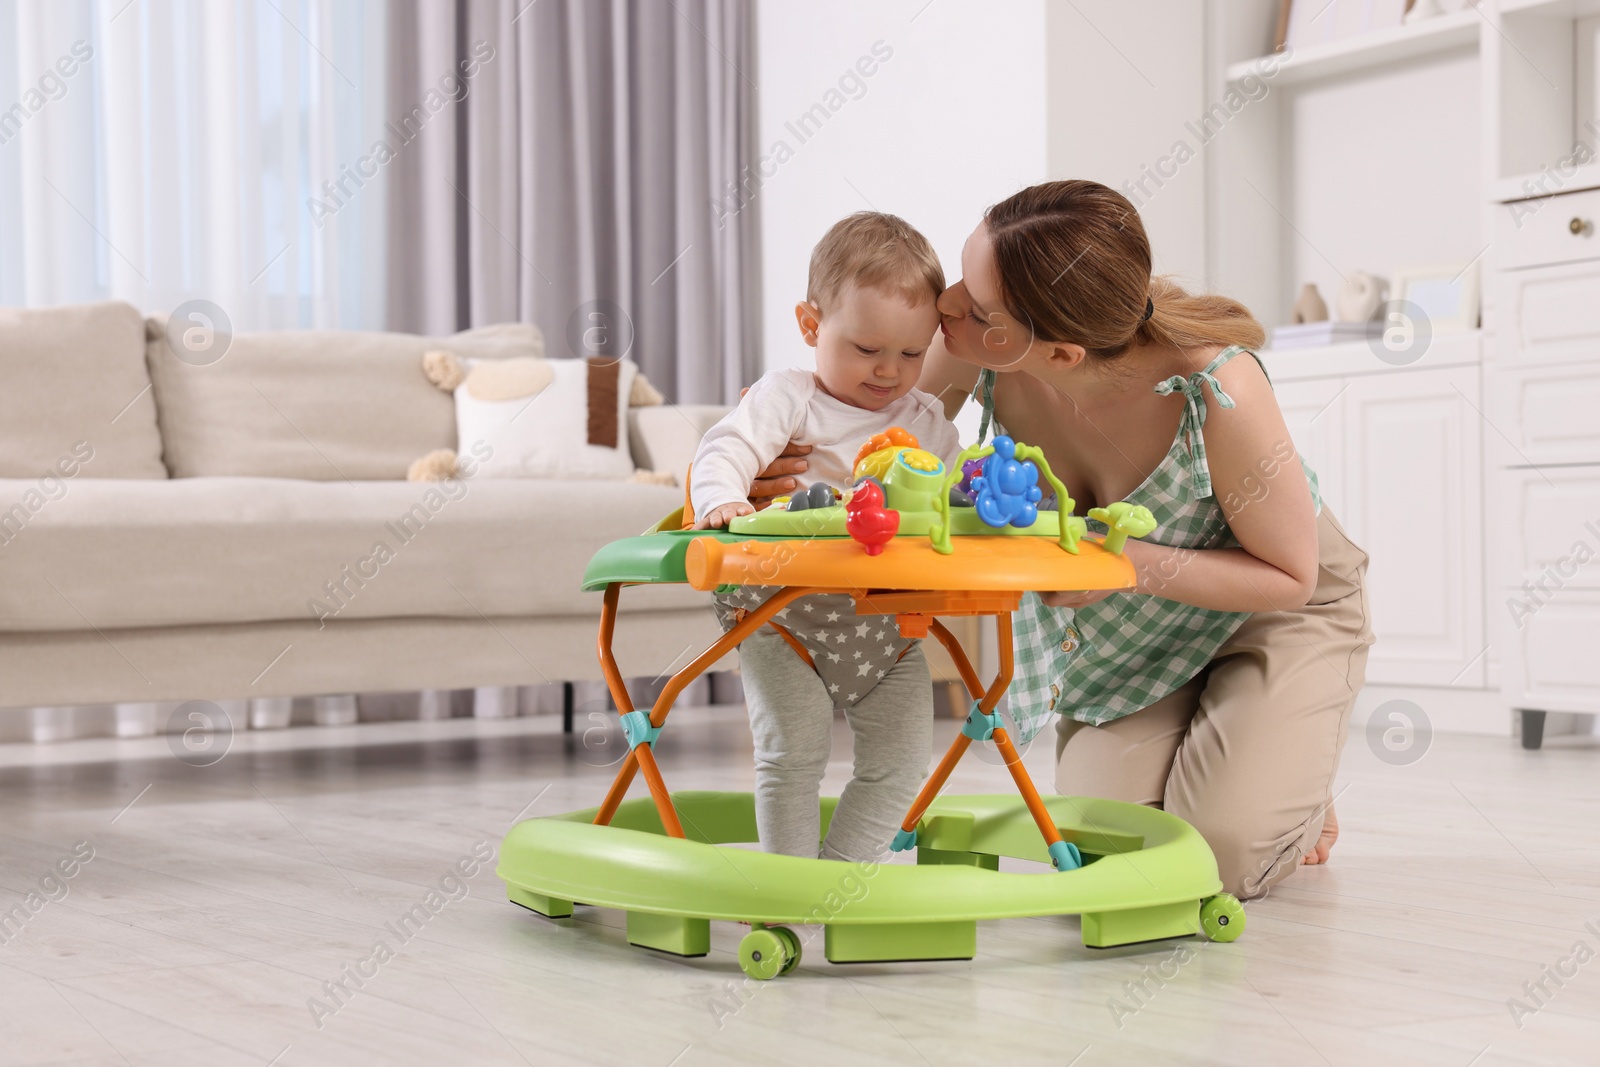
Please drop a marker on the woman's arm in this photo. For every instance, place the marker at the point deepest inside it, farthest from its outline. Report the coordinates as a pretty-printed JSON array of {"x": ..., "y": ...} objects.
[
  {"x": 781, "y": 476},
  {"x": 1257, "y": 479}
]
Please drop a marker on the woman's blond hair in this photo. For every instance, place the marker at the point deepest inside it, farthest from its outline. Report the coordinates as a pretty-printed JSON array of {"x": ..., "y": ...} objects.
[{"x": 1074, "y": 265}]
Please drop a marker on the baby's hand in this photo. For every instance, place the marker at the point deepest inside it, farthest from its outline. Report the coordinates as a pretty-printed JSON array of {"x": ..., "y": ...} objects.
[{"x": 720, "y": 517}]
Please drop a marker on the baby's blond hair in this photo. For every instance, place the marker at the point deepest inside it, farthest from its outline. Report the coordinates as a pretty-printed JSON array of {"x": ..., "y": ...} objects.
[{"x": 875, "y": 251}]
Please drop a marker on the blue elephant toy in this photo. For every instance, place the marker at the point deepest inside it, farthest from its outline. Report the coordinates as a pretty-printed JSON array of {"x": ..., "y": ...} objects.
[{"x": 1008, "y": 489}]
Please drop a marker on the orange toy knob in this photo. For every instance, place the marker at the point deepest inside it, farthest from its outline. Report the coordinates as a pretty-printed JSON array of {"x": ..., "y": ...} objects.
[{"x": 893, "y": 437}]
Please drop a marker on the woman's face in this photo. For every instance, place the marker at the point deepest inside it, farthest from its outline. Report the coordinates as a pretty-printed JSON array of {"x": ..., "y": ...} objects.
[{"x": 977, "y": 327}]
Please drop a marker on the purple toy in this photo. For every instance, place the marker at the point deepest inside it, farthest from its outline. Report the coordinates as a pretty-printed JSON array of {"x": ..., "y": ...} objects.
[{"x": 969, "y": 470}]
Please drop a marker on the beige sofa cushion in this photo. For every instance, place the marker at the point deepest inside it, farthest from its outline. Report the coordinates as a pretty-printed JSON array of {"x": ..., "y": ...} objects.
[
  {"x": 118, "y": 554},
  {"x": 327, "y": 405},
  {"x": 76, "y": 390},
  {"x": 666, "y": 438}
]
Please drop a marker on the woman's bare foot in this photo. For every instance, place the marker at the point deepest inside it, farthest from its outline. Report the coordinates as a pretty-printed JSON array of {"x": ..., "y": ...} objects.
[{"x": 1330, "y": 834}]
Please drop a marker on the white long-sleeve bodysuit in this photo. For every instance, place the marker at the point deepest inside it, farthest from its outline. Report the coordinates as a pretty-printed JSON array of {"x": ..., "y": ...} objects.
[
  {"x": 788, "y": 405},
  {"x": 862, "y": 664}
]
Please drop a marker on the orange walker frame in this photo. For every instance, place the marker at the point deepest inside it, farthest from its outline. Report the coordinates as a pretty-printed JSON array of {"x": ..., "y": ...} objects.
[{"x": 914, "y": 613}]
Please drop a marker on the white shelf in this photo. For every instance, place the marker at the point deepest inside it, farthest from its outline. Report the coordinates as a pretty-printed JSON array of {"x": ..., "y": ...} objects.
[
  {"x": 1357, "y": 358},
  {"x": 1570, "y": 9},
  {"x": 1379, "y": 48},
  {"x": 1528, "y": 186}
]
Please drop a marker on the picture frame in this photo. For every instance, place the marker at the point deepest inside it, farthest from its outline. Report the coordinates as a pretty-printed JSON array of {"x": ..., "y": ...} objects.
[{"x": 1448, "y": 293}]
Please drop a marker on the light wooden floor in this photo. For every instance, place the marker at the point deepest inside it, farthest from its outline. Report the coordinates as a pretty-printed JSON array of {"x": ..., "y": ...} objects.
[{"x": 220, "y": 899}]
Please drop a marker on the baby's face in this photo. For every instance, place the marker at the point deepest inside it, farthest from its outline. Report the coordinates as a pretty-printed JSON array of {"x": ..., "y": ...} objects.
[{"x": 870, "y": 345}]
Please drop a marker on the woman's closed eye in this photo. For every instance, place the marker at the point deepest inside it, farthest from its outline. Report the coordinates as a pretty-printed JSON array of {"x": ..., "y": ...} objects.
[{"x": 973, "y": 315}]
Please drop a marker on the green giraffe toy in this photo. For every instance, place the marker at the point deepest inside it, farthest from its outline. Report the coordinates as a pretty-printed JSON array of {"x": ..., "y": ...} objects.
[{"x": 1123, "y": 520}]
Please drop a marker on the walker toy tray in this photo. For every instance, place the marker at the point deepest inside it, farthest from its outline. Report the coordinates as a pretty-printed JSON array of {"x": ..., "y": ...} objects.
[{"x": 901, "y": 542}]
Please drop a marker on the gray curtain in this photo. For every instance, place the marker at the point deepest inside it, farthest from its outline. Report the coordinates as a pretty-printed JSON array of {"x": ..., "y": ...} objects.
[{"x": 579, "y": 177}]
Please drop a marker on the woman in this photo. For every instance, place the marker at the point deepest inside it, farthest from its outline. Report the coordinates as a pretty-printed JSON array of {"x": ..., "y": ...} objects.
[{"x": 1221, "y": 688}]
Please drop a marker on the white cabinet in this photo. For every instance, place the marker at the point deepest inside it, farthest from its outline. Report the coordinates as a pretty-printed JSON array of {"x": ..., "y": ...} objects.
[
  {"x": 1543, "y": 379},
  {"x": 1551, "y": 665},
  {"x": 1413, "y": 456},
  {"x": 1463, "y": 478},
  {"x": 1315, "y": 417},
  {"x": 1400, "y": 452}
]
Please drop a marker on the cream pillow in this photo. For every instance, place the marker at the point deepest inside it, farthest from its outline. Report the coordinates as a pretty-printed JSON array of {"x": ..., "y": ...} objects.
[
  {"x": 538, "y": 418},
  {"x": 574, "y": 426}
]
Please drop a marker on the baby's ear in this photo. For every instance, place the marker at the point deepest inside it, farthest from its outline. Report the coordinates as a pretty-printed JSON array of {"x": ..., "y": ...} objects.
[{"x": 809, "y": 316}]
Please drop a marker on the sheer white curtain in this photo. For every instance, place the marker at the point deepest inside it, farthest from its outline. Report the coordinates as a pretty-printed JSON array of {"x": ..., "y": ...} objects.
[
  {"x": 156, "y": 151},
  {"x": 160, "y": 150}
]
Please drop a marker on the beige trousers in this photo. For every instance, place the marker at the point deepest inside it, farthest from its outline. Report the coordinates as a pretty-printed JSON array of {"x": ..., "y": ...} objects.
[{"x": 1246, "y": 751}]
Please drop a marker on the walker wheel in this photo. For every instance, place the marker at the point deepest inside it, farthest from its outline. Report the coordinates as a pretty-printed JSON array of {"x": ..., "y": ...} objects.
[
  {"x": 1222, "y": 917},
  {"x": 791, "y": 944},
  {"x": 763, "y": 953}
]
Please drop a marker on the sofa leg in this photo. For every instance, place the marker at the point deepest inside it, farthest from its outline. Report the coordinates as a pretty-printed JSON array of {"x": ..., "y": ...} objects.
[
  {"x": 141, "y": 719},
  {"x": 494, "y": 702},
  {"x": 334, "y": 710},
  {"x": 433, "y": 704},
  {"x": 566, "y": 707},
  {"x": 270, "y": 713}
]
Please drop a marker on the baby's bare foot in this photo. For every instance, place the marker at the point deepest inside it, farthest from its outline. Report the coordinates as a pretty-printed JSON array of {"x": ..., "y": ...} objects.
[{"x": 1330, "y": 834}]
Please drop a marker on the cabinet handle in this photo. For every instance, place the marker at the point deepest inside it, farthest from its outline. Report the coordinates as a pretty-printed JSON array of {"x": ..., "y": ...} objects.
[{"x": 1578, "y": 226}]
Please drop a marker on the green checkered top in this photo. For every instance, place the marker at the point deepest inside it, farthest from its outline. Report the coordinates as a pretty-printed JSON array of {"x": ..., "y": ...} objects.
[{"x": 1123, "y": 653}]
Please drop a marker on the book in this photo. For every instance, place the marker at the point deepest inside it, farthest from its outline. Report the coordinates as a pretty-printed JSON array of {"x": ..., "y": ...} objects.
[{"x": 1314, "y": 334}]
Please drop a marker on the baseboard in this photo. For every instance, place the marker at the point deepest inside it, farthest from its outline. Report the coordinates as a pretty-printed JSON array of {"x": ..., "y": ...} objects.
[{"x": 1450, "y": 709}]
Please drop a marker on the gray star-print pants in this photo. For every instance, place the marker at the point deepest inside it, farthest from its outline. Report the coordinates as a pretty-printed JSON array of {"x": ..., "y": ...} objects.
[{"x": 887, "y": 699}]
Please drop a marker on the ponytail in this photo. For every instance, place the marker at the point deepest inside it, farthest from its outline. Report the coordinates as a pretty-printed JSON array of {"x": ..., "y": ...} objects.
[
  {"x": 1185, "y": 320},
  {"x": 1074, "y": 264}
]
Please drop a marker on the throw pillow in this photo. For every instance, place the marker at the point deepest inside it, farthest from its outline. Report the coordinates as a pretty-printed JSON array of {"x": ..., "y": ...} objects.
[{"x": 538, "y": 418}]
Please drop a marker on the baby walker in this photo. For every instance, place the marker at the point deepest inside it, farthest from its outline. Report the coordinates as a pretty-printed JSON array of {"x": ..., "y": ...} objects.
[{"x": 913, "y": 540}]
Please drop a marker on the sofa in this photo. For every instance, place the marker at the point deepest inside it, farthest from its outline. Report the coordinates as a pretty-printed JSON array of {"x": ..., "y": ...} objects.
[{"x": 169, "y": 526}]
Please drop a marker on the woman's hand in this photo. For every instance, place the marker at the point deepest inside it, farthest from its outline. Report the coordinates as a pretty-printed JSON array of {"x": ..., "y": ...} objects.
[
  {"x": 1078, "y": 599},
  {"x": 1136, "y": 552},
  {"x": 779, "y": 479}
]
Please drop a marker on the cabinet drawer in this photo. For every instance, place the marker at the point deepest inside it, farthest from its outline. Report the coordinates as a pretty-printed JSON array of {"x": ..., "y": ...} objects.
[
  {"x": 1549, "y": 528},
  {"x": 1548, "y": 315},
  {"x": 1548, "y": 414},
  {"x": 1552, "y": 664},
  {"x": 1540, "y": 232}
]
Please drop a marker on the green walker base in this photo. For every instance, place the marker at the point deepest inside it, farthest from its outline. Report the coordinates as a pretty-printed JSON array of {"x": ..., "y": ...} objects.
[{"x": 1147, "y": 875}]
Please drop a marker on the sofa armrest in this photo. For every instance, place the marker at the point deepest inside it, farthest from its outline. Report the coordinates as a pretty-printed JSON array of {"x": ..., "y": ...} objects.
[{"x": 664, "y": 437}]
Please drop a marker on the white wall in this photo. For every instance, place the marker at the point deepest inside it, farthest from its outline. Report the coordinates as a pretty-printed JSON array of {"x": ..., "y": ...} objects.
[
  {"x": 1125, "y": 81},
  {"x": 977, "y": 100},
  {"x": 1415, "y": 200},
  {"x": 949, "y": 123}
]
